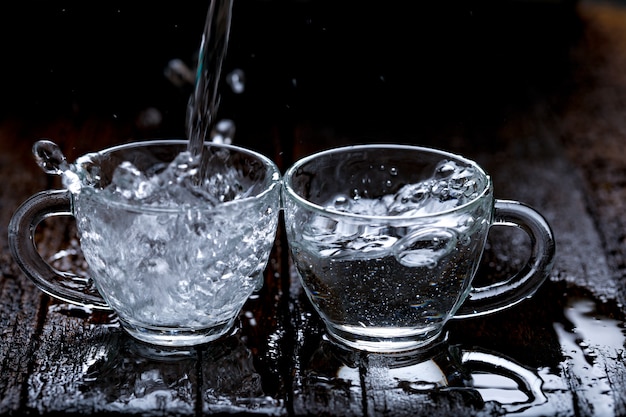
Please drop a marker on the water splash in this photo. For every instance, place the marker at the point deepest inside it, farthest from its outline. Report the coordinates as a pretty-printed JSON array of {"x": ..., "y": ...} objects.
[{"x": 49, "y": 157}]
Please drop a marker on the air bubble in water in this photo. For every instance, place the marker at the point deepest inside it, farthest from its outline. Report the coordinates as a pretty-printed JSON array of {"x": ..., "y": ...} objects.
[
  {"x": 450, "y": 185},
  {"x": 341, "y": 203},
  {"x": 131, "y": 183},
  {"x": 445, "y": 169},
  {"x": 408, "y": 198},
  {"x": 425, "y": 247}
]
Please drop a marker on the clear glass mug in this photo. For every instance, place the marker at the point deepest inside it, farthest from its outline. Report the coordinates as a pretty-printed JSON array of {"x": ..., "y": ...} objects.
[
  {"x": 387, "y": 239},
  {"x": 176, "y": 257}
]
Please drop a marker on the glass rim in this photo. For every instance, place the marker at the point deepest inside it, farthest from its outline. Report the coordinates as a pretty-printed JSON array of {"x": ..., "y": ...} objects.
[
  {"x": 274, "y": 177},
  {"x": 291, "y": 193}
]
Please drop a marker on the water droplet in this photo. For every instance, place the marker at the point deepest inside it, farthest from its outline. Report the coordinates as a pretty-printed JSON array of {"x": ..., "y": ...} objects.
[
  {"x": 49, "y": 157},
  {"x": 149, "y": 118},
  {"x": 179, "y": 73},
  {"x": 236, "y": 79},
  {"x": 223, "y": 132}
]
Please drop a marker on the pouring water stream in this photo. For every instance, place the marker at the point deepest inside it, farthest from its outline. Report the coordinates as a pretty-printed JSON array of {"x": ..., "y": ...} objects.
[{"x": 204, "y": 101}]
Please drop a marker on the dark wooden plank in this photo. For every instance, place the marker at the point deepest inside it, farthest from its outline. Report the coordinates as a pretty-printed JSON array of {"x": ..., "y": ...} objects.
[
  {"x": 593, "y": 128},
  {"x": 21, "y": 307},
  {"x": 593, "y": 132},
  {"x": 19, "y": 321}
]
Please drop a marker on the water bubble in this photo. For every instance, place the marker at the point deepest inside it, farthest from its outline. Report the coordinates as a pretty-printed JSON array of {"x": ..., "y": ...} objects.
[
  {"x": 445, "y": 169},
  {"x": 409, "y": 198},
  {"x": 418, "y": 386},
  {"x": 177, "y": 183},
  {"x": 369, "y": 243},
  {"x": 425, "y": 247},
  {"x": 451, "y": 185},
  {"x": 471, "y": 187},
  {"x": 441, "y": 189},
  {"x": 369, "y": 206},
  {"x": 184, "y": 166},
  {"x": 131, "y": 183},
  {"x": 341, "y": 202}
]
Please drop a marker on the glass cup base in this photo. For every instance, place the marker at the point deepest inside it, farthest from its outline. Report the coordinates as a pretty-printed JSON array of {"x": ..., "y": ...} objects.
[
  {"x": 177, "y": 336},
  {"x": 379, "y": 344}
]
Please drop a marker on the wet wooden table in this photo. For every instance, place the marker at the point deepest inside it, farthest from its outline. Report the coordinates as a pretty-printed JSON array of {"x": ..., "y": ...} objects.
[{"x": 541, "y": 105}]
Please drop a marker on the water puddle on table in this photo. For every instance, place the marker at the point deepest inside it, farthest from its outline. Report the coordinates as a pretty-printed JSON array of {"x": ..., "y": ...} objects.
[
  {"x": 589, "y": 332},
  {"x": 591, "y": 338},
  {"x": 593, "y": 345}
]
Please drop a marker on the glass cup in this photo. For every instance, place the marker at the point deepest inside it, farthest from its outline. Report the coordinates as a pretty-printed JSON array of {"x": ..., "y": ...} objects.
[
  {"x": 387, "y": 239},
  {"x": 175, "y": 244}
]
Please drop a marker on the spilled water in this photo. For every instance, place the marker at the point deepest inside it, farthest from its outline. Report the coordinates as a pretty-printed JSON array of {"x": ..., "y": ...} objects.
[
  {"x": 592, "y": 354},
  {"x": 592, "y": 347},
  {"x": 590, "y": 334}
]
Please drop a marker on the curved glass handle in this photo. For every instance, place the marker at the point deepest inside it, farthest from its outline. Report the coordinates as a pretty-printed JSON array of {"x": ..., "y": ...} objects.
[
  {"x": 505, "y": 294},
  {"x": 22, "y": 244}
]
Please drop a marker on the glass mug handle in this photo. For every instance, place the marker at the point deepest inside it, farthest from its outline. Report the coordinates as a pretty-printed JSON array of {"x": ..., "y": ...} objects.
[
  {"x": 22, "y": 229},
  {"x": 507, "y": 293}
]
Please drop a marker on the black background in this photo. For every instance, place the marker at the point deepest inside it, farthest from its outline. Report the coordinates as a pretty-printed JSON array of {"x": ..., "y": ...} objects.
[{"x": 419, "y": 62}]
